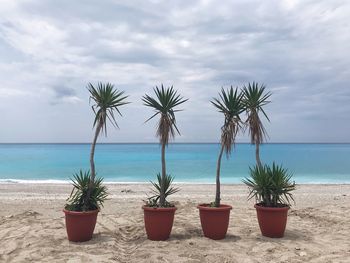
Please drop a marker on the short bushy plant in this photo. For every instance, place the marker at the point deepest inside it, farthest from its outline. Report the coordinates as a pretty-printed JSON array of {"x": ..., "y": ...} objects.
[
  {"x": 77, "y": 200},
  {"x": 271, "y": 186},
  {"x": 153, "y": 201}
]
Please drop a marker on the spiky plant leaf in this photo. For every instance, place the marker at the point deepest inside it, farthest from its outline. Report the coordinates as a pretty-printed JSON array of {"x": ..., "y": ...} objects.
[
  {"x": 270, "y": 186},
  {"x": 156, "y": 191},
  {"x": 230, "y": 104},
  {"x": 164, "y": 105},
  {"x": 106, "y": 100},
  {"x": 254, "y": 100},
  {"x": 77, "y": 199}
]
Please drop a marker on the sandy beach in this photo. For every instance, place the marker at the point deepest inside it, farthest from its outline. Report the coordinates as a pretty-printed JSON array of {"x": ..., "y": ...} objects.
[{"x": 32, "y": 227}]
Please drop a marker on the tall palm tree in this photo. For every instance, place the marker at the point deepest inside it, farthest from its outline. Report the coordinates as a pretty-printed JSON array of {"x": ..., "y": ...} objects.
[
  {"x": 106, "y": 100},
  {"x": 254, "y": 99},
  {"x": 164, "y": 105},
  {"x": 230, "y": 104}
]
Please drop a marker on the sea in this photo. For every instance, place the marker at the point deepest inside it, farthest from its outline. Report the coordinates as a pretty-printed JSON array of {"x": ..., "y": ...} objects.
[{"x": 188, "y": 162}]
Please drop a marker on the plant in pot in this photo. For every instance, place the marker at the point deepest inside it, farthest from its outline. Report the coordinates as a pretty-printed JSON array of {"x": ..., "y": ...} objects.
[
  {"x": 271, "y": 187},
  {"x": 88, "y": 193},
  {"x": 215, "y": 216},
  {"x": 158, "y": 212}
]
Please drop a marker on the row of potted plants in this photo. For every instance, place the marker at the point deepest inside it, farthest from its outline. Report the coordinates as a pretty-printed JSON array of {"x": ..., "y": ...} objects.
[{"x": 270, "y": 185}]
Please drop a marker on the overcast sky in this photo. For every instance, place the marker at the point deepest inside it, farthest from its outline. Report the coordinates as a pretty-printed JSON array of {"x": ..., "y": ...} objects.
[{"x": 50, "y": 50}]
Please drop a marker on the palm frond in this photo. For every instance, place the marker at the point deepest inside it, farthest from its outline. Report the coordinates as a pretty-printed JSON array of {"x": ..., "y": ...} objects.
[
  {"x": 164, "y": 104},
  {"x": 230, "y": 104},
  {"x": 106, "y": 99},
  {"x": 254, "y": 99}
]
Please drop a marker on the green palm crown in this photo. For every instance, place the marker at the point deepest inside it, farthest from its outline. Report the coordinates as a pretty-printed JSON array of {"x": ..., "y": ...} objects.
[
  {"x": 106, "y": 100},
  {"x": 230, "y": 104},
  {"x": 164, "y": 104},
  {"x": 254, "y": 99}
]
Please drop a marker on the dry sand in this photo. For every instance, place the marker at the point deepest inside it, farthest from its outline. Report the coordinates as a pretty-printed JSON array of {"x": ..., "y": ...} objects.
[{"x": 32, "y": 227}]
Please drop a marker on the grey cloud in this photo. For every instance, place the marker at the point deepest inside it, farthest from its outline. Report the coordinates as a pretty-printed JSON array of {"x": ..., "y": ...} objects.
[
  {"x": 135, "y": 55},
  {"x": 299, "y": 49},
  {"x": 61, "y": 91},
  {"x": 64, "y": 94}
]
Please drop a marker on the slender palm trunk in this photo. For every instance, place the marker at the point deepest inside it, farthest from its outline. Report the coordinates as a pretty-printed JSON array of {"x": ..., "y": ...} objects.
[
  {"x": 267, "y": 197},
  {"x": 218, "y": 167},
  {"x": 257, "y": 154},
  {"x": 92, "y": 153},
  {"x": 162, "y": 186},
  {"x": 92, "y": 165}
]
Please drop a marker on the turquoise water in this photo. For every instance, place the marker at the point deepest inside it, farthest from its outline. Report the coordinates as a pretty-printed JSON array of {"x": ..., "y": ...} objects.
[{"x": 310, "y": 163}]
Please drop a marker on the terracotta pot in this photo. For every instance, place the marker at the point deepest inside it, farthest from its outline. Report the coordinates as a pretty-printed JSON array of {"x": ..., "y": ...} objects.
[
  {"x": 158, "y": 222},
  {"x": 272, "y": 220},
  {"x": 214, "y": 220},
  {"x": 80, "y": 225}
]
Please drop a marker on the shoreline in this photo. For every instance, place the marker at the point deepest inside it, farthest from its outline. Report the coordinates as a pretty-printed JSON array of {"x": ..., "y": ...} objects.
[
  {"x": 65, "y": 182},
  {"x": 139, "y": 191}
]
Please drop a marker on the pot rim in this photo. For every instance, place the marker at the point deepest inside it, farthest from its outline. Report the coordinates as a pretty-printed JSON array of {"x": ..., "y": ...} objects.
[
  {"x": 272, "y": 209},
  {"x": 159, "y": 209},
  {"x": 80, "y": 213},
  {"x": 206, "y": 207}
]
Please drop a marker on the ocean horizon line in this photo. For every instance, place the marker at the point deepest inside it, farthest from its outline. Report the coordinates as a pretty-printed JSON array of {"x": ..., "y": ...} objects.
[{"x": 72, "y": 143}]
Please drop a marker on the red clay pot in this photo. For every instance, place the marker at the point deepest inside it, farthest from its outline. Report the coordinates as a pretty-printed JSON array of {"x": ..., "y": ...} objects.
[
  {"x": 158, "y": 222},
  {"x": 214, "y": 220},
  {"x": 272, "y": 220},
  {"x": 80, "y": 225}
]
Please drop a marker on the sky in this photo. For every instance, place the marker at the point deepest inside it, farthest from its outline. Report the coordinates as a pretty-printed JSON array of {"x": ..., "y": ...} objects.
[{"x": 50, "y": 50}]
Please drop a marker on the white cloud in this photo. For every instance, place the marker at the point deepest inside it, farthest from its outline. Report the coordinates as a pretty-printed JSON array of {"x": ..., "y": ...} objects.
[
  {"x": 51, "y": 49},
  {"x": 7, "y": 93}
]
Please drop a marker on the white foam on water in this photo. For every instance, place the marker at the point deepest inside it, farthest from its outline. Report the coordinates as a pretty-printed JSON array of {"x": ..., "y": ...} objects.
[
  {"x": 18, "y": 181},
  {"x": 51, "y": 181}
]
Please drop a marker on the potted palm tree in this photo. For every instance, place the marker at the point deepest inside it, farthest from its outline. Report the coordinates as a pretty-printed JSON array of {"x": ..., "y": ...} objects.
[
  {"x": 271, "y": 187},
  {"x": 215, "y": 216},
  {"x": 158, "y": 212},
  {"x": 254, "y": 99},
  {"x": 88, "y": 193}
]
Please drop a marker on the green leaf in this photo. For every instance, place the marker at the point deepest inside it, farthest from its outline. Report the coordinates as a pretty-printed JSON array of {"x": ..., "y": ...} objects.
[
  {"x": 76, "y": 200},
  {"x": 230, "y": 104},
  {"x": 164, "y": 105},
  {"x": 270, "y": 186},
  {"x": 156, "y": 191},
  {"x": 254, "y": 99},
  {"x": 106, "y": 99}
]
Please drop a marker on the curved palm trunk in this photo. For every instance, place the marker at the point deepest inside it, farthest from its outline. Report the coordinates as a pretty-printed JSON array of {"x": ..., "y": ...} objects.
[
  {"x": 218, "y": 167},
  {"x": 162, "y": 186},
  {"x": 257, "y": 154},
  {"x": 92, "y": 164}
]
